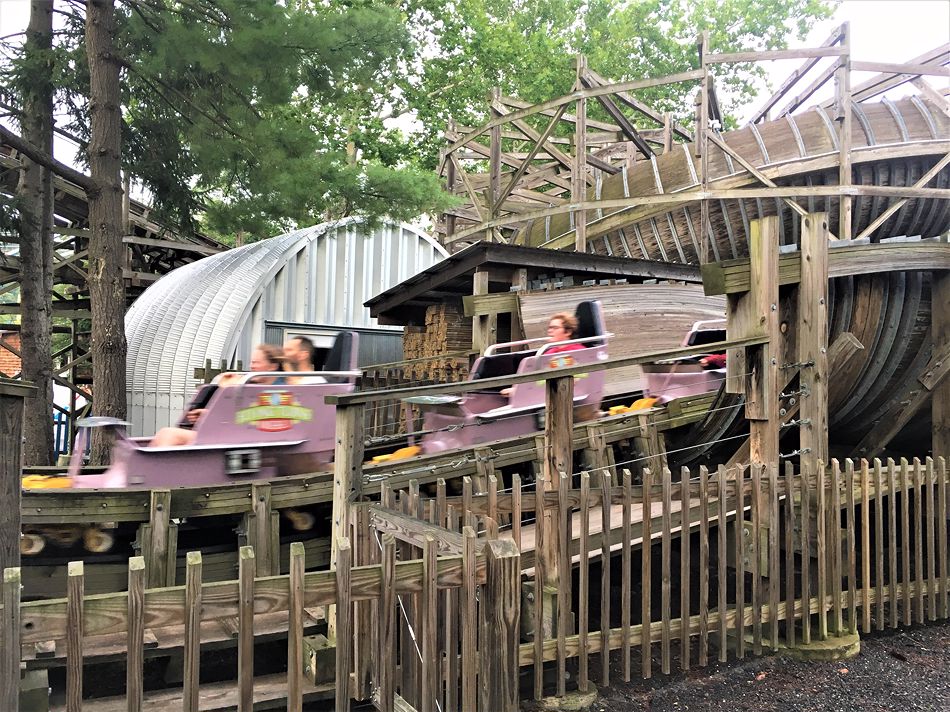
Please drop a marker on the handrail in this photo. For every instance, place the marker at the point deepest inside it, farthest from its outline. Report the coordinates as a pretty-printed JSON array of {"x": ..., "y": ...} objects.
[
  {"x": 503, "y": 381},
  {"x": 587, "y": 339},
  {"x": 241, "y": 378}
]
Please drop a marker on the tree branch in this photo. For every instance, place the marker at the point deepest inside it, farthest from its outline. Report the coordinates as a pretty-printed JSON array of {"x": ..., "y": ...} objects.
[{"x": 37, "y": 156}]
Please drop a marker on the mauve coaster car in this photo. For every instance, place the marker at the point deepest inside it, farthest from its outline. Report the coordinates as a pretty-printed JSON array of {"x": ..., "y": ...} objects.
[
  {"x": 481, "y": 416},
  {"x": 248, "y": 431},
  {"x": 681, "y": 377}
]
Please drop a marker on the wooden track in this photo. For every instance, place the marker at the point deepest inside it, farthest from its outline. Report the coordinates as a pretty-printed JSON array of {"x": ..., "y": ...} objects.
[{"x": 894, "y": 144}]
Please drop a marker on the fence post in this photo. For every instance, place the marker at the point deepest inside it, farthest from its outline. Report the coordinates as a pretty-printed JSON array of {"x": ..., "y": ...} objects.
[
  {"x": 500, "y": 625},
  {"x": 347, "y": 482},
  {"x": 12, "y": 394}
]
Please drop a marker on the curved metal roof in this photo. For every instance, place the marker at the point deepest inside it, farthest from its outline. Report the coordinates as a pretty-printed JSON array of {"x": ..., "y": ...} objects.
[{"x": 216, "y": 308}]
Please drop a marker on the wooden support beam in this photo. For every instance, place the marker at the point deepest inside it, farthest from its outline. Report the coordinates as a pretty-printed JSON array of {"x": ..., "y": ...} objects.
[
  {"x": 484, "y": 326},
  {"x": 500, "y": 628},
  {"x": 10, "y": 635},
  {"x": 558, "y": 456},
  {"x": 579, "y": 166},
  {"x": 843, "y": 117},
  {"x": 813, "y": 341},
  {"x": 347, "y": 480},
  {"x": 651, "y": 444},
  {"x": 733, "y": 276},
  {"x": 12, "y": 395},
  {"x": 159, "y": 549},
  {"x": 940, "y": 400},
  {"x": 762, "y": 394}
]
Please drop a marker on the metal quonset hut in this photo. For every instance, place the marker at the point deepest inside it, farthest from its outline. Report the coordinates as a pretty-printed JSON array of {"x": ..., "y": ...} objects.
[{"x": 219, "y": 307}]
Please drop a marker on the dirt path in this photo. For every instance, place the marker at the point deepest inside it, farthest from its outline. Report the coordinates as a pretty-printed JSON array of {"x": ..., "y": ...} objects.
[{"x": 901, "y": 671}]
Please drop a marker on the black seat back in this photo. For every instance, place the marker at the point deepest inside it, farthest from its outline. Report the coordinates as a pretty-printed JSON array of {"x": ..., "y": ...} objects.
[
  {"x": 590, "y": 322},
  {"x": 342, "y": 356},
  {"x": 499, "y": 365}
]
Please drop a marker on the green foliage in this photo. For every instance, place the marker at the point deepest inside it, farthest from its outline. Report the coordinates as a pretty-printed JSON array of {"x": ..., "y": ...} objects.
[
  {"x": 240, "y": 114},
  {"x": 527, "y": 49}
]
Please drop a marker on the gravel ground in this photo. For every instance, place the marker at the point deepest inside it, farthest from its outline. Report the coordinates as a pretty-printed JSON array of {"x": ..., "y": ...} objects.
[{"x": 904, "y": 670}]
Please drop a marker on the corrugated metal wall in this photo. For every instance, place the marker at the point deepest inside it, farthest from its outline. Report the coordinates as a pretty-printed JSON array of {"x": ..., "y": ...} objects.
[{"x": 217, "y": 308}]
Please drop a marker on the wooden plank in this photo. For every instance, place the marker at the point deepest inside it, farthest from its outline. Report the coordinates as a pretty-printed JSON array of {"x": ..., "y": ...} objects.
[
  {"x": 579, "y": 164},
  {"x": 626, "y": 573},
  {"x": 866, "y": 561},
  {"x": 605, "y": 491},
  {"x": 452, "y": 633},
  {"x": 906, "y": 550},
  {"x": 851, "y": 529},
  {"x": 842, "y": 115},
  {"x": 684, "y": 573},
  {"x": 739, "y": 552},
  {"x": 191, "y": 675},
  {"x": 892, "y": 524},
  {"x": 893, "y": 68},
  {"x": 804, "y": 514},
  {"x": 821, "y": 547},
  {"x": 583, "y": 584},
  {"x": 135, "y": 639},
  {"x": 539, "y": 592},
  {"x": 428, "y": 629},
  {"x": 156, "y": 557},
  {"x": 770, "y": 55},
  {"x": 833, "y": 534},
  {"x": 558, "y": 431},
  {"x": 774, "y": 554},
  {"x": 266, "y": 548},
  {"x": 703, "y": 566},
  {"x": 930, "y": 524},
  {"x": 790, "y": 554},
  {"x": 564, "y": 582},
  {"x": 813, "y": 340},
  {"x": 516, "y": 510},
  {"x": 646, "y": 578},
  {"x": 756, "y": 472},
  {"x": 501, "y": 607},
  {"x": 363, "y": 624},
  {"x": 880, "y": 572},
  {"x": 918, "y": 537},
  {"x": 721, "y": 557},
  {"x": 941, "y": 468},
  {"x": 347, "y": 475},
  {"x": 666, "y": 572},
  {"x": 10, "y": 635},
  {"x": 734, "y": 277},
  {"x": 343, "y": 625},
  {"x": 469, "y": 623},
  {"x": 295, "y": 613},
  {"x": 74, "y": 636},
  {"x": 386, "y": 614},
  {"x": 245, "y": 679}
]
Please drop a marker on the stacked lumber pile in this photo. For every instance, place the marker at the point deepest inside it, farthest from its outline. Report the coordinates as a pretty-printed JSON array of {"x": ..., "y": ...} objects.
[{"x": 446, "y": 331}]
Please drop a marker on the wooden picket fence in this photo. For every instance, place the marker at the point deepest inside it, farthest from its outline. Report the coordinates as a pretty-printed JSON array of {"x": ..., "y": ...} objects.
[
  {"x": 428, "y": 615},
  {"x": 854, "y": 547},
  {"x": 82, "y": 626}
]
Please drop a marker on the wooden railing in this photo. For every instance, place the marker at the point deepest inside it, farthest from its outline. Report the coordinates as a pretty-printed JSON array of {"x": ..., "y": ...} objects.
[
  {"x": 82, "y": 627},
  {"x": 766, "y": 563}
]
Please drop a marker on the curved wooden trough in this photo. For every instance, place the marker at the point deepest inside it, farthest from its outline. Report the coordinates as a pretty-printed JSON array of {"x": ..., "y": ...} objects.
[{"x": 895, "y": 144}]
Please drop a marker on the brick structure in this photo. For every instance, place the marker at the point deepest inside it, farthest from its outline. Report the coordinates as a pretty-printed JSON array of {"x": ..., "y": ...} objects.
[{"x": 10, "y": 364}]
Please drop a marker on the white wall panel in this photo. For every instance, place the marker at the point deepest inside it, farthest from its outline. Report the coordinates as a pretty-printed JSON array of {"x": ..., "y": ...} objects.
[{"x": 215, "y": 308}]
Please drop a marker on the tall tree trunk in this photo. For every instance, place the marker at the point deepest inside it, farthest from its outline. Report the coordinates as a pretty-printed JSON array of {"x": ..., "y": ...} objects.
[
  {"x": 36, "y": 238},
  {"x": 106, "y": 287}
]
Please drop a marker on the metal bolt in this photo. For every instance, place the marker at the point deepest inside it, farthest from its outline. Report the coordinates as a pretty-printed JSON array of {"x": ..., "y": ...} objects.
[
  {"x": 159, "y": 507},
  {"x": 821, "y": 301},
  {"x": 774, "y": 307}
]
